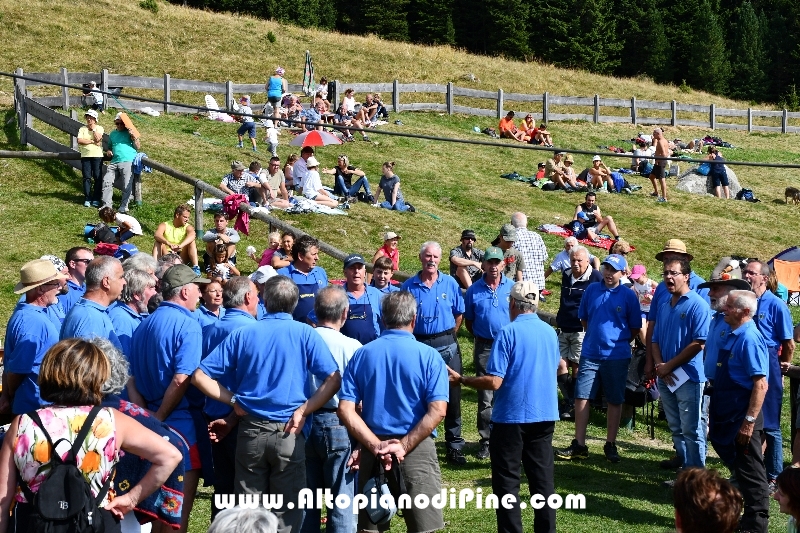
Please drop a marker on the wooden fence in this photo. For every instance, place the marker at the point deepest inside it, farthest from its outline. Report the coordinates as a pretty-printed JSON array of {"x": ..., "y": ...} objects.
[{"x": 543, "y": 107}]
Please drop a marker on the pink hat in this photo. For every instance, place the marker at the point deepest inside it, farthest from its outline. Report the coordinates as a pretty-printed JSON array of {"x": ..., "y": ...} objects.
[{"x": 637, "y": 272}]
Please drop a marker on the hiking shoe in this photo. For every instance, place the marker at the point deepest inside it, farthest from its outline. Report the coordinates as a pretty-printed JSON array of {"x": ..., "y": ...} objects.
[
  {"x": 654, "y": 194},
  {"x": 566, "y": 411},
  {"x": 371, "y": 198},
  {"x": 95, "y": 204},
  {"x": 483, "y": 453},
  {"x": 575, "y": 451},
  {"x": 626, "y": 190},
  {"x": 455, "y": 457},
  {"x": 411, "y": 208},
  {"x": 610, "y": 449},
  {"x": 673, "y": 463},
  {"x": 87, "y": 203},
  {"x": 365, "y": 138},
  {"x": 239, "y": 145}
]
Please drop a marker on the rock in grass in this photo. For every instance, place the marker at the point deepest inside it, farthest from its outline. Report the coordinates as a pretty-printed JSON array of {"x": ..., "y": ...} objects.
[{"x": 694, "y": 183}]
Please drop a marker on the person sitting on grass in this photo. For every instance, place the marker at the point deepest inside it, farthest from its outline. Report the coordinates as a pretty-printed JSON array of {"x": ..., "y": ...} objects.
[
  {"x": 177, "y": 236},
  {"x": 248, "y": 123},
  {"x": 344, "y": 186},
  {"x": 221, "y": 268},
  {"x": 220, "y": 235},
  {"x": 595, "y": 220},
  {"x": 390, "y": 187},
  {"x": 129, "y": 227},
  {"x": 382, "y": 272},
  {"x": 599, "y": 173},
  {"x": 312, "y": 185},
  {"x": 509, "y": 130},
  {"x": 554, "y": 171},
  {"x": 266, "y": 257}
]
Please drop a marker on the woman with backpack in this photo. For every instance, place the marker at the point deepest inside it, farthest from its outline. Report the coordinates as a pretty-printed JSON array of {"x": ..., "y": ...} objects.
[{"x": 71, "y": 481}]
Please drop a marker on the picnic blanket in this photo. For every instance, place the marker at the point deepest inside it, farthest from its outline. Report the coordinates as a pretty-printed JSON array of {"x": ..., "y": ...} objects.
[{"x": 606, "y": 241}]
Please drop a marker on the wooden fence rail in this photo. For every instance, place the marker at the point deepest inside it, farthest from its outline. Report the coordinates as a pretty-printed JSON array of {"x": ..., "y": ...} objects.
[{"x": 617, "y": 110}]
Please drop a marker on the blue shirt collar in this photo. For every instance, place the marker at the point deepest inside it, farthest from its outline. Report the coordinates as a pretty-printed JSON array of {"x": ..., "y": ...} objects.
[
  {"x": 277, "y": 316},
  {"x": 397, "y": 333},
  {"x": 175, "y": 306},
  {"x": 233, "y": 312},
  {"x": 91, "y": 303},
  {"x": 741, "y": 330}
]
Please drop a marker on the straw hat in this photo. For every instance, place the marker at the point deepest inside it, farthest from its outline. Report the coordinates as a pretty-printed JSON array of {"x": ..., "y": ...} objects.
[
  {"x": 36, "y": 273},
  {"x": 675, "y": 246}
]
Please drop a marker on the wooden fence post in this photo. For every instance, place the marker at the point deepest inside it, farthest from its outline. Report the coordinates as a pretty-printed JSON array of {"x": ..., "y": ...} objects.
[
  {"x": 167, "y": 94},
  {"x": 633, "y": 110},
  {"x": 228, "y": 94},
  {"x": 596, "y": 108},
  {"x": 749, "y": 119},
  {"x": 545, "y": 108},
  {"x": 396, "y": 96},
  {"x": 712, "y": 116},
  {"x": 449, "y": 98},
  {"x": 73, "y": 141},
  {"x": 674, "y": 112},
  {"x": 198, "y": 209},
  {"x": 104, "y": 88},
  {"x": 785, "y": 121},
  {"x": 22, "y": 111},
  {"x": 64, "y": 90},
  {"x": 499, "y": 103}
]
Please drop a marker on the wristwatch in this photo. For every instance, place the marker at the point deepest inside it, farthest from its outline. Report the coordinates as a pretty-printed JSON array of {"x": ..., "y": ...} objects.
[
  {"x": 750, "y": 419},
  {"x": 233, "y": 401}
]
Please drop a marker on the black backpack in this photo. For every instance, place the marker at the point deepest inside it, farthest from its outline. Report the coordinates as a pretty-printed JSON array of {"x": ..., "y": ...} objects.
[{"x": 64, "y": 502}]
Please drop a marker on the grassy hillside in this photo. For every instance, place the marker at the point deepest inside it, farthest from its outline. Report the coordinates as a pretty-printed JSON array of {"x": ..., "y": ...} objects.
[{"x": 40, "y": 202}]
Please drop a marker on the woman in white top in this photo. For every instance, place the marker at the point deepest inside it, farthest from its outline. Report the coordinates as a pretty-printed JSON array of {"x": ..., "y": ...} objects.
[{"x": 312, "y": 185}]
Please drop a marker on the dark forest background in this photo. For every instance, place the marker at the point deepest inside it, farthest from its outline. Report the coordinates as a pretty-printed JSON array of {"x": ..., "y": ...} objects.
[{"x": 744, "y": 49}]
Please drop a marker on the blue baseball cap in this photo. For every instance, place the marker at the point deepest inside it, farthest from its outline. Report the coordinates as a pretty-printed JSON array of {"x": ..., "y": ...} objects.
[
  {"x": 582, "y": 215},
  {"x": 616, "y": 261}
]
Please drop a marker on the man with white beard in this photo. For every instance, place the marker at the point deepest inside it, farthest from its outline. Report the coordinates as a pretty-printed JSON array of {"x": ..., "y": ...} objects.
[{"x": 128, "y": 312}]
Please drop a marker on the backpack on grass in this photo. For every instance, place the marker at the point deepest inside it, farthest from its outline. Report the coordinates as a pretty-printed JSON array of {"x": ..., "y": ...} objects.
[{"x": 64, "y": 502}]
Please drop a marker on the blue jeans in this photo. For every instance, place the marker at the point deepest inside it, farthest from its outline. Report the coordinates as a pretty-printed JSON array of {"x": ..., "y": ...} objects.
[
  {"x": 398, "y": 206},
  {"x": 327, "y": 452},
  {"x": 773, "y": 458},
  {"x": 682, "y": 408},
  {"x": 341, "y": 188}
]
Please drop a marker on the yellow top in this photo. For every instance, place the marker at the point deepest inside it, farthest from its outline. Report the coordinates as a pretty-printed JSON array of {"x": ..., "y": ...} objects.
[
  {"x": 175, "y": 235},
  {"x": 90, "y": 150}
]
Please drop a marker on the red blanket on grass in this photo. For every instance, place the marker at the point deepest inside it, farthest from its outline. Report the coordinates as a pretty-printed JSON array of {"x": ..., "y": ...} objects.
[{"x": 554, "y": 229}]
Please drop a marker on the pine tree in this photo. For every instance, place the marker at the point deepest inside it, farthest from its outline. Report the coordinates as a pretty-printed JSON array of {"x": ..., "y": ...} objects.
[
  {"x": 708, "y": 67},
  {"x": 385, "y": 18},
  {"x": 549, "y": 23},
  {"x": 747, "y": 62},
  {"x": 507, "y": 27},
  {"x": 592, "y": 43},
  {"x": 470, "y": 26},
  {"x": 431, "y": 21}
]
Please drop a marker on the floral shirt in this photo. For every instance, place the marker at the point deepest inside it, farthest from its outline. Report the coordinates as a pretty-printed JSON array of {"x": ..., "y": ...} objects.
[{"x": 96, "y": 456}]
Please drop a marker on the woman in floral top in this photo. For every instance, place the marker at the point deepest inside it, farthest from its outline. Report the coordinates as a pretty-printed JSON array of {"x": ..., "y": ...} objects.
[{"x": 71, "y": 376}]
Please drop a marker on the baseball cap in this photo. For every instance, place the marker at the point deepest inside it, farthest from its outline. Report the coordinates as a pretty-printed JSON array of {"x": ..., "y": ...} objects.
[
  {"x": 582, "y": 215},
  {"x": 57, "y": 262},
  {"x": 91, "y": 113},
  {"x": 597, "y": 158},
  {"x": 541, "y": 165},
  {"x": 675, "y": 246},
  {"x": 180, "y": 275},
  {"x": 637, "y": 272},
  {"x": 493, "y": 252},
  {"x": 237, "y": 165},
  {"x": 118, "y": 117},
  {"x": 525, "y": 291},
  {"x": 508, "y": 233},
  {"x": 616, "y": 261},
  {"x": 354, "y": 259},
  {"x": 468, "y": 234},
  {"x": 391, "y": 235},
  {"x": 263, "y": 274},
  {"x": 312, "y": 162}
]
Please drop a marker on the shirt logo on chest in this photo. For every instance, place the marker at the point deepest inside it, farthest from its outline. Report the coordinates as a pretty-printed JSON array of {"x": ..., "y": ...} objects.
[
  {"x": 444, "y": 296},
  {"x": 683, "y": 316}
]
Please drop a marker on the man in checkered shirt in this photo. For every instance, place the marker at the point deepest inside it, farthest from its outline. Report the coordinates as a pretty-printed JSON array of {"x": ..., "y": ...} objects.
[{"x": 532, "y": 248}]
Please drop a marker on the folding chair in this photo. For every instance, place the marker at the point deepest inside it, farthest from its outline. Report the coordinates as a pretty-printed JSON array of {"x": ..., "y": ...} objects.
[{"x": 788, "y": 273}]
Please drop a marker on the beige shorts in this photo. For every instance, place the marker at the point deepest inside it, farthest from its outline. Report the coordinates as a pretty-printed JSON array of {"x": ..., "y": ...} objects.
[{"x": 570, "y": 346}]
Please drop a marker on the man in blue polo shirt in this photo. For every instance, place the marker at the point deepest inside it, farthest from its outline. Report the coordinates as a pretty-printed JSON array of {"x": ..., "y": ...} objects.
[
  {"x": 396, "y": 370},
  {"x": 524, "y": 358},
  {"x": 440, "y": 308},
  {"x": 56, "y": 312},
  {"x": 89, "y": 318},
  {"x": 273, "y": 405},
  {"x": 364, "y": 317},
  {"x": 677, "y": 343},
  {"x": 737, "y": 420},
  {"x": 304, "y": 271},
  {"x": 165, "y": 352},
  {"x": 610, "y": 315},
  {"x": 774, "y": 321},
  {"x": 128, "y": 312},
  {"x": 29, "y": 334},
  {"x": 77, "y": 260},
  {"x": 240, "y": 299},
  {"x": 485, "y": 314}
]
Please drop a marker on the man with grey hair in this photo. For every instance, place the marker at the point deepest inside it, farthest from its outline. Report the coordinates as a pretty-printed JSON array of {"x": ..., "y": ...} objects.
[
  {"x": 531, "y": 246},
  {"x": 562, "y": 261},
  {"x": 165, "y": 351},
  {"x": 89, "y": 316},
  {"x": 141, "y": 261},
  {"x": 328, "y": 446},
  {"x": 244, "y": 520},
  {"x": 774, "y": 321},
  {"x": 240, "y": 299},
  {"x": 397, "y": 370},
  {"x": 524, "y": 358},
  {"x": 736, "y": 426},
  {"x": 128, "y": 312},
  {"x": 574, "y": 281},
  {"x": 272, "y": 406},
  {"x": 440, "y": 308}
]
